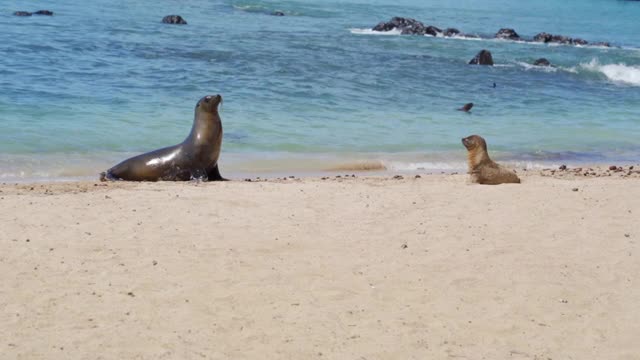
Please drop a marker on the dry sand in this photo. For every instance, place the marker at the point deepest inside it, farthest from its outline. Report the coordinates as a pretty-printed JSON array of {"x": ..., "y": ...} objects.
[{"x": 357, "y": 268}]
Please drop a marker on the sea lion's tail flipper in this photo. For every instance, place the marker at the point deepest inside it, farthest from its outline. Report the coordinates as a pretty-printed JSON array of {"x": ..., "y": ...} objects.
[{"x": 214, "y": 174}]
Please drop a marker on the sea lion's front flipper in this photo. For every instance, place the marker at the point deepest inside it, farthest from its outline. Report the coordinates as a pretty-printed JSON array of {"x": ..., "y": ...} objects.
[
  {"x": 214, "y": 174},
  {"x": 197, "y": 174}
]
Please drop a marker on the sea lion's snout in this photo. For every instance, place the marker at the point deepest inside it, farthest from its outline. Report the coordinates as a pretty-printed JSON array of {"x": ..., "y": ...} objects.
[
  {"x": 210, "y": 102},
  {"x": 474, "y": 141},
  {"x": 215, "y": 99}
]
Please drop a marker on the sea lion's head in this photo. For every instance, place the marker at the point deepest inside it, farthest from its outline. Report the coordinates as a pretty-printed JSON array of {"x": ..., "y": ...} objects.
[
  {"x": 209, "y": 103},
  {"x": 467, "y": 107},
  {"x": 476, "y": 150},
  {"x": 474, "y": 142}
]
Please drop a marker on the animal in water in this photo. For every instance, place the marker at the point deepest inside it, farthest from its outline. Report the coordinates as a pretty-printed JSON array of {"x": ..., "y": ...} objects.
[
  {"x": 542, "y": 62},
  {"x": 466, "y": 108},
  {"x": 482, "y": 169},
  {"x": 174, "y": 19},
  {"x": 196, "y": 158}
]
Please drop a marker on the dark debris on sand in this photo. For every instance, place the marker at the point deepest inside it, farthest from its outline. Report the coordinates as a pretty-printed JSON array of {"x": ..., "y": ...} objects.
[{"x": 592, "y": 172}]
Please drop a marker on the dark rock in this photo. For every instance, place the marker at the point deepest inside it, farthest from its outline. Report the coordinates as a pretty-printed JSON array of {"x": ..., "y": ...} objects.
[
  {"x": 396, "y": 22},
  {"x": 542, "y": 62},
  {"x": 413, "y": 31},
  {"x": 507, "y": 34},
  {"x": 543, "y": 37},
  {"x": 613, "y": 168},
  {"x": 482, "y": 58},
  {"x": 277, "y": 13},
  {"x": 407, "y": 26},
  {"x": 561, "y": 39},
  {"x": 579, "y": 41},
  {"x": 174, "y": 19},
  {"x": 22, "y": 13},
  {"x": 451, "y": 32},
  {"x": 43, "y": 12},
  {"x": 563, "y": 167},
  {"x": 433, "y": 31}
]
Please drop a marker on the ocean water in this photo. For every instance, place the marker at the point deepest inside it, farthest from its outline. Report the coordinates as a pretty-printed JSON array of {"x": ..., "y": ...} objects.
[{"x": 316, "y": 89}]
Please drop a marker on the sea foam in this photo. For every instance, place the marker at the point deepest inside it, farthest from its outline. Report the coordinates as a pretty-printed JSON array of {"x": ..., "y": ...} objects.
[
  {"x": 359, "y": 31},
  {"x": 620, "y": 73}
]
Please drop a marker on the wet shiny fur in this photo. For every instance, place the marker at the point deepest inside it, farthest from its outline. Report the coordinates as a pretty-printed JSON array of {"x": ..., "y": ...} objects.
[{"x": 195, "y": 158}]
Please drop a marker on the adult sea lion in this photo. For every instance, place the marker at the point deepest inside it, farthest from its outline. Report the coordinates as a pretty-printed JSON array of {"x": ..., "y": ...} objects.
[
  {"x": 195, "y": 158},
  {"x": 482, "y": 169}
]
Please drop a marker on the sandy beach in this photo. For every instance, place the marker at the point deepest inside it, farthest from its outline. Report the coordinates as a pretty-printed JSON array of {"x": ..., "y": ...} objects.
[{"x": 340, "y": 268}]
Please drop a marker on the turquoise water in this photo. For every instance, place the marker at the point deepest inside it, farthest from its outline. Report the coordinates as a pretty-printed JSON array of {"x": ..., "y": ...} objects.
[{"x": 103, "y": 80}]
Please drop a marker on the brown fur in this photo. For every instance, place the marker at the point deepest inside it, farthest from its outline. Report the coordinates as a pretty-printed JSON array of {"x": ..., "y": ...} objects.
[
  {"x": 482, "y": 169},
  {"x": 466, "y": 107}
]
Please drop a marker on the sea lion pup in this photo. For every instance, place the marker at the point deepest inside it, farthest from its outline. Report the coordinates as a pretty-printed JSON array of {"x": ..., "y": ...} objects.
[
  {"x": 482, "y": 169},
  {"x": 466, "y": 108},
  {"x": 196, "y": 158}
]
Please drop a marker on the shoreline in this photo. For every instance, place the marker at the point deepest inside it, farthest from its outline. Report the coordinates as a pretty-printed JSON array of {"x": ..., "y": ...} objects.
[{"x": 275, "y": 165}]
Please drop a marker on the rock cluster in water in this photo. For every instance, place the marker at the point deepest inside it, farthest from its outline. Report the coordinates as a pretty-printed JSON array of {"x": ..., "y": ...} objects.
[
  {"x": 561, "y": 39},
  {"x": 409, "y": 26}
]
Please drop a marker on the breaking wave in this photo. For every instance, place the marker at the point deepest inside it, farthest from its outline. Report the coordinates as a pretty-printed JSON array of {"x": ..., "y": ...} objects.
[{"x": 619, "y": 73}]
